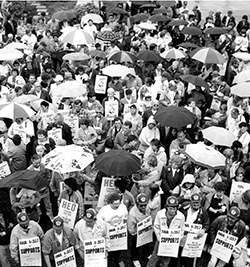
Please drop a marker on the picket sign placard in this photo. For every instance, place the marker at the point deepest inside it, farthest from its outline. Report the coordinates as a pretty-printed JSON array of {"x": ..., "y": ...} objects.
[
  {"x": 118, "y": 236},
  {"x": 90, "y": 197},
  {"x": 193, "y": 246},
  {"x": 169, "y": 243},
  {"x": 237, "y": 189},
  {"x": 4, "y": 169},
  {"x": 55, "y": 134},
  {"x": 100, "y": 84},
  {"x": 68, "y": 211},
  {"x": 192, "y": 227},
  {"x": 144, "y": 232},
  {"x": 107, "y": 187},
  {"x": 65, "y": 258},
  {"x": 111, "y": 110}
]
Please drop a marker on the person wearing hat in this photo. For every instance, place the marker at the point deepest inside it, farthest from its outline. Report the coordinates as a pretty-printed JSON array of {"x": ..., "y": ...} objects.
[
  {"x": 168, "y": 218},
  {"x": 25, "y": 229},
  {"x": 194, "y": 213},
  {"x": 57, "y": 239},
  {"x": 138, "y": 213},
  {"x": 230, "y": 224},
  {"x": 88, "y": 228},
  {"x": 148, "y": 133},
  {"x": 134, "y": 117}
]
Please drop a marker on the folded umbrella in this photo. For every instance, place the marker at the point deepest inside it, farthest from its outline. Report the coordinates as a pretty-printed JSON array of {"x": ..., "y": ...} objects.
[
  {"x": 175, "y": 117},
  {"x": 118, "y": 163},
  {"x": 195, "y": 80},
  {"x": 205, "y": 156},
  {"x": 33, "y": 180},
  {"x": 15, "y": 110},
  {"x": 192, "y": 31},
  {"x": 218, "y": 136},
  {"x": 173, "y": 54},
  {"x": 148, "y": 55},
  {"x": 122, "y": 56},
  {"x": 241, "y": 89},
  {"x": 116, "y": 71},
  {"x": 208, "y": 55}
]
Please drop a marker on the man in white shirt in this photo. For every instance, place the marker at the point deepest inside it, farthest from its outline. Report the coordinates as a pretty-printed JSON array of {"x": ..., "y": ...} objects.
[
  {"x": 90, "y": 28},
  {"x": 243, "y": 136}
]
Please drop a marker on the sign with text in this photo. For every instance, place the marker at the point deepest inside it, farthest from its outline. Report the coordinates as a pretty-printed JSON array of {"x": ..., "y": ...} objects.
[
  {"x": 107, "y": 187},
  {"x": 111, "y": 110},
  {"x": 100, "y": 84},
  {"x": 4, "y": 169},
  {"x": 118, "y": 237},
  {"x": 90, "y": 197},
  {"x": 144, "y": 232},
  {"x": 223, "y": 246},
  {"x": 30, "y": 252},
  {"x": 65, "y": 258},
  {"x": 169, "y": 243},
  {"x": 94, "y": 253},
  {"x": 55, "y": 134},
  {"x": 193, "y": 246},
  {"x": 192, "y": 227},
  {"x": 68, "y": 211},
  {"x": 73, "y": 122},
  {"x": 237, "y": 189}
]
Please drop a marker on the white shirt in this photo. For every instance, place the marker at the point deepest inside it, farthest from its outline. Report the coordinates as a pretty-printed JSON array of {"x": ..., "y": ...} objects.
[
  {"x": 59, "y": 237},
  {"x": 191, "y": 215},
  {"x": 90, "y": 29}
]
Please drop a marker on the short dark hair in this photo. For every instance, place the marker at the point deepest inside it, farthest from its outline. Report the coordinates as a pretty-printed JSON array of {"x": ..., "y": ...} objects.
[
  {"x": 128, "y": 123},
  {"x": 17, "y": 139},
  {"x": 121, "y": 184},
  {"x": 91, "y": 94},
  {"x": 35, "y": 157},
  {"x": 71, "y": 182},
  {"x": 77, "y": 102},
  {"x": 132, "y": 138},
  {"x": 45, "y": 104},
  {"x": 43, "y": 132},
  {"x": 113, "y": 197},
  {"x": 155, "y": 142},
  {"x": 84, "y": 122},
  {"x": 109, "y": 143}
]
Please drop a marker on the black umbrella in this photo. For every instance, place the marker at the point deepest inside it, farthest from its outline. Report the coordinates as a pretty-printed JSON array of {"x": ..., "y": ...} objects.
[{"x": 33, "y": 180}]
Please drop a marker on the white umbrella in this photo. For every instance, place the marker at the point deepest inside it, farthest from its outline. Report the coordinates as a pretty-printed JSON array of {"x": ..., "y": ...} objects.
[
  {"x": 77, "y": 37},
  {"x": 243, "y": 76},
  {"x": 94, "y": 17},
  {"x": 15, "y": 45},
  {"x": 205, "y": 156},
  {"x": 78, "y": 56},
  {"x": 147, "y": 26},
  {"x": 10, "y": 54},
  {"x": 70, "y": 89},
  {"x": 242, "y": 55},
  {"x": 241, "y": 89},
  {"x": 116, "y": 71},
  {"x": 25, "y": 99},
  {"x": 173, "y": 54},
  {"x": 15, "y": 110}
]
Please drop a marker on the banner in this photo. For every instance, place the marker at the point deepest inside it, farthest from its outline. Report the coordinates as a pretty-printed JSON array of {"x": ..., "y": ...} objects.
[
  {"x": 68, "y": 211},
  {"x": 111, "y": 110},
  {"x": 73, "y": 122},
  {"x": 4, "y": 169},
  {"x": 107, "y": 187},
  {"x": 118, "y": 237},
  {"x": 237, "y": 189},
  {"x": 192, "y": 227},
  {"x": 169, "y": 243},
  {"x": 144, "y": 232},
  {"x": 94, "y": 253},
  {"x": 100, "y": 84},
  {"x": 55, "y": 134},
  {"x": 30, "y": 252},
  {"x": 193, "y": 246},
  {"x": 65, "y": 258},
  {"x": 89, "y": 195},
  {"x": 223, "y": 246}
]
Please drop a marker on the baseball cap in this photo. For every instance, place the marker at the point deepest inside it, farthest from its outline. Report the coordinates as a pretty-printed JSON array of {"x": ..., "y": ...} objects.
[
  {"x": 142, "y": 199},
  {"x": 234, "y": 212},
  {"x": 58, "y": 78},
  {"x": 133, "y": 105},
  {"x": 172, "y": 201},
  {"x": 90, "y": 215},
  {"x": 196, "y": 198},
  {"x": 58, "y": 222},
  {"x": 22, "y": 218}
]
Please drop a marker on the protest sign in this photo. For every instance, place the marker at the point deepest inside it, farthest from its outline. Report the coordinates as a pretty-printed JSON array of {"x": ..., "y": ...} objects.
[
  {"x": 73, "y": 122},
  {"x": 68, "y": 211},
  {"x": 107, "y": 187},
  {"x": 62, "y": 187},
  {"x": 223, "y": 246},
  {"x": 90, "y": 197},
  {"x": 237, "y": 189},
  {"x": 65, "y": 258},
  {"x": 144, "y": 232},
  {"x": 192, "y": 227},
  {"x": 169, "y": 243},
  {"x": 111, "y": 110},
  {"x": 30, "y": 252},
  {"x": 216, "y": 103},
  {"x": 100, "y": 84},
  {"x": 118, "y": 237},
  {"x": 55, "y": 134},
  {"x": 94, "y": 253},
  {"x": 193, "y": 246},
  {"x": 4, "y": 169},
  {"x": 22, "y": 134}
]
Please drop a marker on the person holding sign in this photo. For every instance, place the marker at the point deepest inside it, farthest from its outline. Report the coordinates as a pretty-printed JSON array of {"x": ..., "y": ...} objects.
[
  {"x": 167, "y": 218},
  {"x": 137, "y": 214},
  {"x": 25, "y": 229},
  {"x": 229, "y": 224},
  {"x": 89, "y": 228},
  {"x": 57, "y": 239}
]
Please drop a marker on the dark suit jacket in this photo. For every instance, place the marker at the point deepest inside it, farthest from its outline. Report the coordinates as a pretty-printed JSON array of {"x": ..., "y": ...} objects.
[
  {"x": 232, "y": 19},
  {"x": 44, "y": 95},
  {"x": 147, "y": 113}
]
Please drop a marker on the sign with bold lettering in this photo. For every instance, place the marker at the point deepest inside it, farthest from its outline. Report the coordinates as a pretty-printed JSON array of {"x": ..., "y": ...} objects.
[
  {"x": 111, "y": 110},
  {"x": 94, "y": 253},
  {"x": 193, "y": 246},
  {"x": 118, "y": 237},
  {"x": 237, "y": 189},
  {"x": 144, "y": 232},
  {"x": 30, "y": 252},
  {"x": 100, "y": 84},
  {"x": 4, "y": 169},
  {"x": 107, "y": 187},
  {"x": 55, "y": 134},
  {"x": 68, "y": 211},
  {"x": 223, "y": 246},
  {"x": 192, "y": 227},
  {"x": 169, "y": 243},
  {"x": 65, "y": 258}
]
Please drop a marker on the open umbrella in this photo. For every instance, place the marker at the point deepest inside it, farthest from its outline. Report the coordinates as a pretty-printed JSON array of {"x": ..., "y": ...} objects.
[
  {"x": 176, "y": 117},
  {"x": 94, "y": 17},
  {"x": 159, "y": 18},
  {"x": 148, "y": 56},
  {"x": 107, "y": 36},
  {"x": 177, "y": 22},
  {"x": 15, "y": 45},
  {"x": 64, "y": 15},
  {"x": 118, "y": 163},
  {"x": 116, "y": 71},
  {"x": 161, "y": 10},
  {"x": 77, "y": 37},
  {"x": 195, "y": 80},
  {"x": 192, "y": 31},
  {"x": 36, "y": 105},
  {"x": 98, "y": 53},
  {"x": 241, "y": 89},
  {"x": 147, "y": 26},
  {"x": 243, "y": 76},
  {"x": 23, "y": 99},
  {"x": 33, "y": 180},
  {"x": 68, "y": 159},
  {"x": 117, "y": 10},
  {"x": 122, "y": 56},
  {"x": 10, "y": 54},
  {"x": 15, "y": 110},
  {"x": 208, "y": 55},
  {"x": 242, "y": 55},
  {"x": 78, "y": 56},
  {"x": 216, "y": 31},
  {"x": 173, "y": 54},
  {"x": 205, "y": 156},
  {"x": 218, "y": 136},
  {"x": 188, "y": 45},
  {"x": 150, "y": 5},
  {"x": 140, "y": 17},
  {"x": 71, "y": 89}
]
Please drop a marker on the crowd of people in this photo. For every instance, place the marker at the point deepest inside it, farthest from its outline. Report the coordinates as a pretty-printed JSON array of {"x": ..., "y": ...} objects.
[{"x": 170, "y": 188}]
